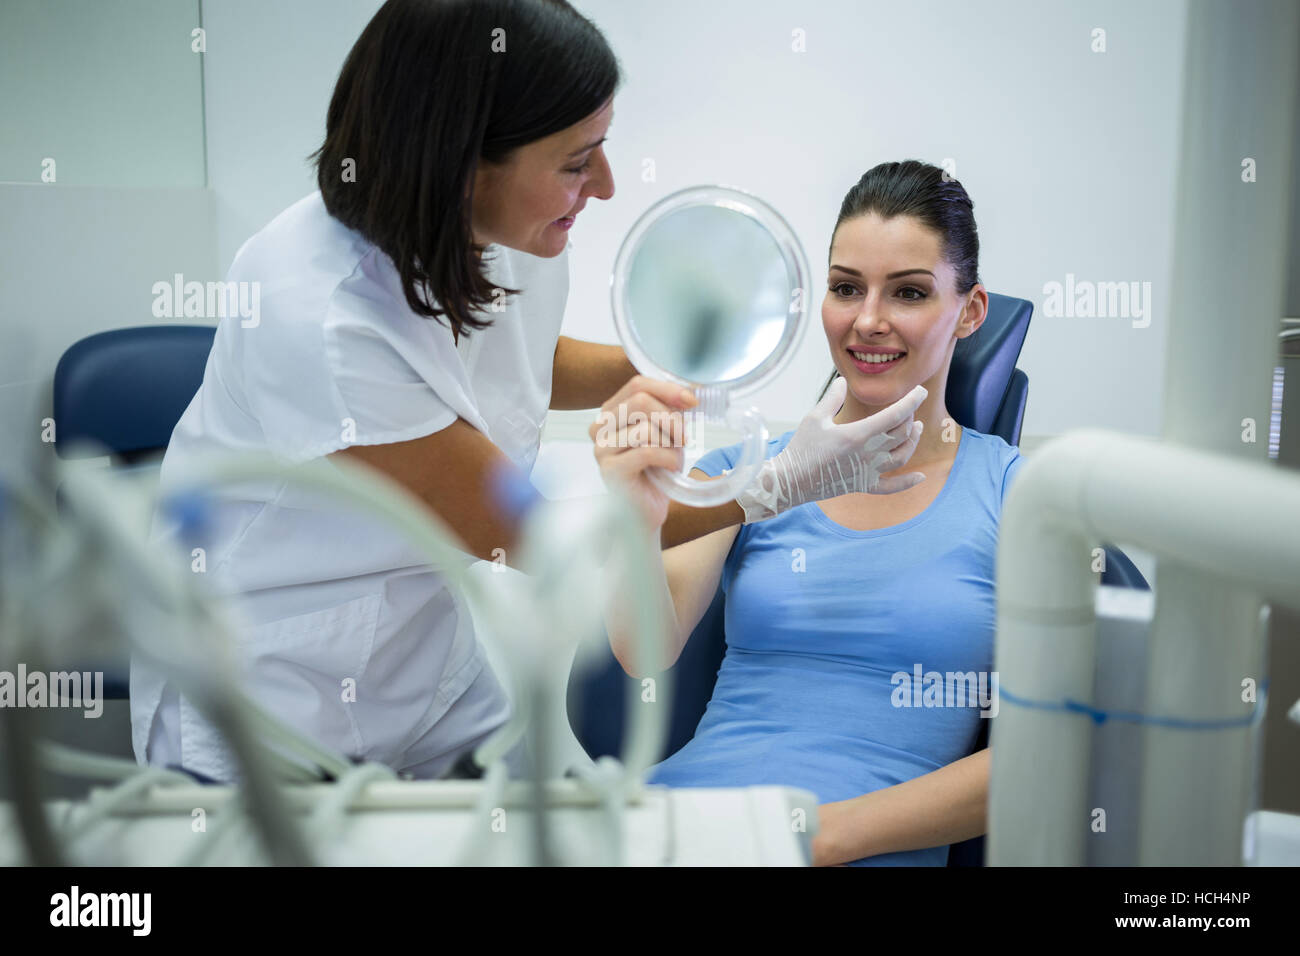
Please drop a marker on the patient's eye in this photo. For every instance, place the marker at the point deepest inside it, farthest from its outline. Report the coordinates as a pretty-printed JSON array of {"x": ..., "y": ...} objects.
[
  {"x": 920, "y": 293},
  {"x": 843, "y": 285}
]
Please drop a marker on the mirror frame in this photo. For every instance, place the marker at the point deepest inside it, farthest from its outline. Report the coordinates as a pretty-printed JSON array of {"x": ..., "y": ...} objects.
[{"x": 791, "y": 251}]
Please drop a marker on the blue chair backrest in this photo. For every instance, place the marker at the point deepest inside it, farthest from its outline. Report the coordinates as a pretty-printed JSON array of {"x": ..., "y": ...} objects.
[
  {"x": 985, "y": 392},
  {"x": 126, "y": 389}
]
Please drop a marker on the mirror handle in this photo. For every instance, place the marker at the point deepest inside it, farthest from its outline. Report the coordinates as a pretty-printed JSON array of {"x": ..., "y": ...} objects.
[{"x": 706, "y": 494}]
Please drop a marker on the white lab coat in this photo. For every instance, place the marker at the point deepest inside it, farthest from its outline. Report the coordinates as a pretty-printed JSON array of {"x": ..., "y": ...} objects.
[{"x": 324, "y": 594}]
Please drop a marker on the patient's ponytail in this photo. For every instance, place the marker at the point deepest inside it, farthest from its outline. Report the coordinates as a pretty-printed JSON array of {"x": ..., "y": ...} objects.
[{"x": 928, "y": 194}]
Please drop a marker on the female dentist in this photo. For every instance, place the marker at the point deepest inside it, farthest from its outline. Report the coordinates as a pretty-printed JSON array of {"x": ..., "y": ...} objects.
[{"x": 409, "y": 320}]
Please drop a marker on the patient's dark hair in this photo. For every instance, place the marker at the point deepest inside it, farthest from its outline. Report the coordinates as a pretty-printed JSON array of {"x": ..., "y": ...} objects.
[
  {"x": 917, "y": 189},
  {"x": 422, "y": 97}
]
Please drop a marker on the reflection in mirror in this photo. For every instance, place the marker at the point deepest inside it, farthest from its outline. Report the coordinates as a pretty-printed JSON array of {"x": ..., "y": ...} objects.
[{"x": 708, "y": 294}]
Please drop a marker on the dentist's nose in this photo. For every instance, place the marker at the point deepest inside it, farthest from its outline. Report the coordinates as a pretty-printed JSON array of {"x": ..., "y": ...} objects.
[{"x": 601, "y": 183}]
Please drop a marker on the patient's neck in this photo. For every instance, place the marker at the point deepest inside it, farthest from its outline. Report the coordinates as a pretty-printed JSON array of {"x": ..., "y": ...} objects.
[{"x": 939, "y": 440}]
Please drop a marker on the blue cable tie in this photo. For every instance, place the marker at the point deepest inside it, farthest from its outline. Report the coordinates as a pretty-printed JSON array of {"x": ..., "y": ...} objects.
[{"x": 1099, "y": 716}]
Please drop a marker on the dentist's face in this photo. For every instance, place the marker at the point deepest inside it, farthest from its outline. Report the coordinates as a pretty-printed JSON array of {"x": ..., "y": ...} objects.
[
  {"x": 890, "y": 292},
  {"x": 528, "y": 202}
]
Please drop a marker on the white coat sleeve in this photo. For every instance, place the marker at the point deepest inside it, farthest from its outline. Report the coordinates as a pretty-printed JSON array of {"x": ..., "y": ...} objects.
[
  {"x": 365, "y": 372},
  {"x": 384, "y": 393}
]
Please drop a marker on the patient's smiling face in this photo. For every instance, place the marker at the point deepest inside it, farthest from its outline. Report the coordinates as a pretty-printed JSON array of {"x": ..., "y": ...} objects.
[{"x": 890, "y": 287}]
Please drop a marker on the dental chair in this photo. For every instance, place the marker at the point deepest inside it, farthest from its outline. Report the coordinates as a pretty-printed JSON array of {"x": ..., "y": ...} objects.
[
  {"x": 985, "y": 392},
  {"x": 126, "y": 389}
]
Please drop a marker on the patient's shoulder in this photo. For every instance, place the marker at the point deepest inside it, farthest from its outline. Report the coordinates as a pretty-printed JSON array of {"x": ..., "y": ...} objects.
[
  {"x": 993, "y": 447},
  {"x": 999, "y": 460}
]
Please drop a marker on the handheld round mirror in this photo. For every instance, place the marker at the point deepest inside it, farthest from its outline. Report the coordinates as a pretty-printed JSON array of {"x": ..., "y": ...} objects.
[{"x": 710, "y": 290}]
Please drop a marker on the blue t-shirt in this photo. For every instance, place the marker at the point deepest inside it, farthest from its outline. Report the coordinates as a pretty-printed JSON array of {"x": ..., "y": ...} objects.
[{"x": 819, "y": 621}]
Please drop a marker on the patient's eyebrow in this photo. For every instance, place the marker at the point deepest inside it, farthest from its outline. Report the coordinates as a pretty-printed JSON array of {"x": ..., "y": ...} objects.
[{"x": 892, "y": 275}]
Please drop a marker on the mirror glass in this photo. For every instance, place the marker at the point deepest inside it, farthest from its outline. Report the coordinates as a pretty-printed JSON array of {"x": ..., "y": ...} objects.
[{"x": 709, "y": 288}]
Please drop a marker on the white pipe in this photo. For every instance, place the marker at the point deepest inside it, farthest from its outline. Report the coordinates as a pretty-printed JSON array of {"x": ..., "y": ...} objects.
[
  {"x": 1224, "y": 524},
  {"x": 1226, "y": 299},
  {"x": 1238, "y": 521}
]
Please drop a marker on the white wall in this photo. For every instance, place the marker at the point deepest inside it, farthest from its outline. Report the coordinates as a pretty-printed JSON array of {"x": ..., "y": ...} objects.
[
  {"x": 1066, "y": 152},
  {"x": 109, "y": 90},
  {"x": 268, "y": 75},
  {"x": 112, "y": 92}
]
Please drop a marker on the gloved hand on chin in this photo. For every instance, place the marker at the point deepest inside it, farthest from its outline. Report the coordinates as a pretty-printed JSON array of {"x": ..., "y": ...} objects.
[{"x": 825, "y": 460}]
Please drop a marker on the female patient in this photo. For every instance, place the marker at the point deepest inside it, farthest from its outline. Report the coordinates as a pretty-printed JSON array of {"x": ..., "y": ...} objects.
[{"x": 834, "y": 606}]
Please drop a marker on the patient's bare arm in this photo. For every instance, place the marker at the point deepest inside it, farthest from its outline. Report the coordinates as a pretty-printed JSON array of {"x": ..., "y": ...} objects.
[
  {"x": 944, "y": 806},
  {"x": 685, "y": 523}
]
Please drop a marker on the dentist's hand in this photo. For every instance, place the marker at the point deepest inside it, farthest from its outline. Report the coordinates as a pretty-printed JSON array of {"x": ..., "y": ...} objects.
[
  {"x": 652, "y": 434},
  {"x": 824, "y": 460}
]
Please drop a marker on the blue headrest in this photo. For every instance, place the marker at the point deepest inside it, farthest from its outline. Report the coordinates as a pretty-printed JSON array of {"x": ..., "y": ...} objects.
[
  {"x": 127, "y": 388},
  {"x": 985, "y": 391}
]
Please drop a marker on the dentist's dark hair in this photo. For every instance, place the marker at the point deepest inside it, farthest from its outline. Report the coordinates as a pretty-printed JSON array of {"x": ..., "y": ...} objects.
[
  {"x": 430, "y": 88},
  {"x": 924, "y": 192}
]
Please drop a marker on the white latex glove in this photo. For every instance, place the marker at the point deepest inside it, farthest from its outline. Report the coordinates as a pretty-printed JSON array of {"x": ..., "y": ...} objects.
[{"x": 825, "y": 460}]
